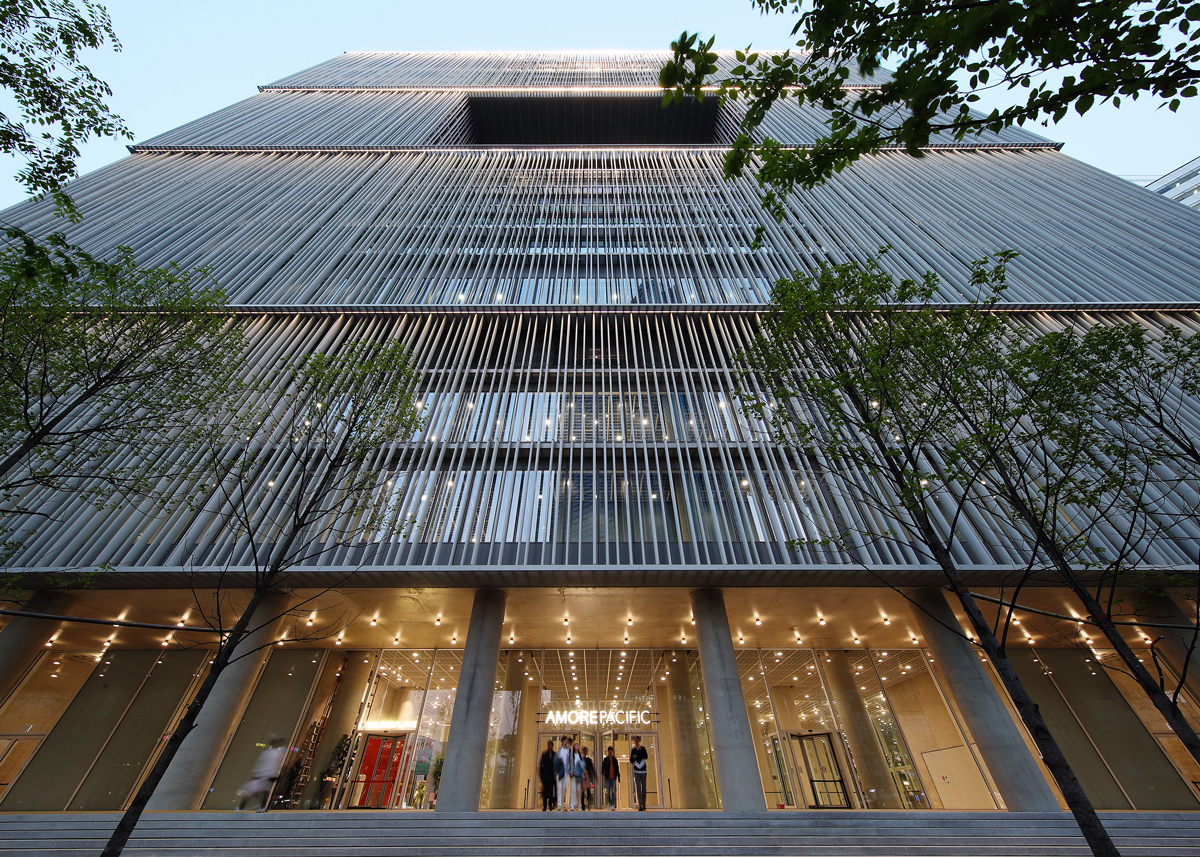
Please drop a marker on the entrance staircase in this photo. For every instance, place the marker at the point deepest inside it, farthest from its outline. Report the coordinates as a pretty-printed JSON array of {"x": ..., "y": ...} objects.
[{"x": 620, "y": 834}]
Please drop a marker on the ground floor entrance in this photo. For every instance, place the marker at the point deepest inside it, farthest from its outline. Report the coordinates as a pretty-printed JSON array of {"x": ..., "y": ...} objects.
[
  {"x": 819, "y": 783},
  {"x": 624, "y": 795},
  {"x": 854, "y": 709}
]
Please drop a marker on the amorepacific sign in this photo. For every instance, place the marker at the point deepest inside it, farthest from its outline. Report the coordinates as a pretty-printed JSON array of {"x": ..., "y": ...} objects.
[{"x": 599, "y": 718}]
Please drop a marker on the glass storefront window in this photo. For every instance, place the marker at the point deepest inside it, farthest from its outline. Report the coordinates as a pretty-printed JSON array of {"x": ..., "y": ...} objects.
[
  {"x": 857, "y": 729},
  {"x": 102, "y": 732},
  {"x": 1150, "y": 716},
  {"x": 803, "y": 759},
  {"x": 509, "y": 779},
  {"x": 36, "y": 706},
  {"x": 695, "y": 768},
  {"x": 394, "y": 759},
  {"x": 776, "y": 776},
  {"x": 944, "y": 761},
  {"x": 1117, "y": 749},
  {"x": 272, "y": 715}
]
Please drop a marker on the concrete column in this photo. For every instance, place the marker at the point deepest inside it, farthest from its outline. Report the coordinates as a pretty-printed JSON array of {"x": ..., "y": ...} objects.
[
  {"x": 342, "y": 716},
  {"x": 869, "y": 761},
  {"x": 1013, "y": 768},
  {"x": 186, "y": 781},
  {"x": 733, "y": 744},
  {"x": 1174, "y": 643},
  {"x": 23, "y": 639},
  {"x": 466, "y": 746}
]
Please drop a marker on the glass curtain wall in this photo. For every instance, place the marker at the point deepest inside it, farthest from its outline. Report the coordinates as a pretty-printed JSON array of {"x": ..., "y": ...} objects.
[
  {"x": 857, "y": 729},
  {"x": 1150, "y": 717},
  {"x": 32, "y": 711},
  {"x": 601, "y": 698},
  {"x": 1108, "y": 730},
  {"x": 393, "y": 756},
  {"x": 83, "y": 727}
]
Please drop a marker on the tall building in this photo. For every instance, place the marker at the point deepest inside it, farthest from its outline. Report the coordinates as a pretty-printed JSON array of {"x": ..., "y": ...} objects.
[
  {"x": 600, "y": 539},
  {"x": 1182, "y": 184}
]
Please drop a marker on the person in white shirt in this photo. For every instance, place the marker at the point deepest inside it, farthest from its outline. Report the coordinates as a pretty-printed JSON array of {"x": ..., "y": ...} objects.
[
  {"x": 563, "y": 766},
  {"x": 263, "y": 776}
]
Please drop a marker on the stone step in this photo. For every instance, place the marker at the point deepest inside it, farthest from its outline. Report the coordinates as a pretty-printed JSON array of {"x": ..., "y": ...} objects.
[
  {"x": 617, "y": 821},
  {"x": 653, "y": 834}
]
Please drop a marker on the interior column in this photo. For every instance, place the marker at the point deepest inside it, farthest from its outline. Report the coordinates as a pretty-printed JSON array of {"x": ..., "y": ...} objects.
[
  {"x": 1004, "y": 751},
  {"x": 24, "y": 638},
  {"x": 516, "y": 756},
  {"x": 186, "y": 781},
  {"x": 688, "y": 789},
  {"x": 466, "y": 746},
  {"x": 733, "y": 744},
  {"x": 869, "y": 761}
]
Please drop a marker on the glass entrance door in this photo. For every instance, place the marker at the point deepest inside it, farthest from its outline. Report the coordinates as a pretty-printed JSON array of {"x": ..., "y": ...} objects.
[
  {"x": 374, "y": 786},
  {"x": 579, "y": 740},
  {"x": 780, "y": 770},
  {"x": 626, "y": 798},
  {"x": 815, "y": 755}
]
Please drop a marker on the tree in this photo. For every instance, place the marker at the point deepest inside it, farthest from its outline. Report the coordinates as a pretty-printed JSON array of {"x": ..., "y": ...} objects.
[
  {"x": 1033, "y": 413},
  {"x": 1053, "y": 57},
  {"x": 1149, "y": 388},
  {"x": 301, "y": 465},
  {"x": 97, "y": 356},
  {"x": 852, "y": 368},
  {"x": 59, "y": 101}
]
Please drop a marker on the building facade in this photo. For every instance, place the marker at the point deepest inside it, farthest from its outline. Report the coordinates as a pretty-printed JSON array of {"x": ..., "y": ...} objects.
[
  {"x": 1181, "y": 184},
  {"x": 589, "y": 537}
]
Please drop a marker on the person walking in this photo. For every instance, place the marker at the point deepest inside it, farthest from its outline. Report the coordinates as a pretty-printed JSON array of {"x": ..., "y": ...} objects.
[
  {"x": 586, "y": 795},
  {"x": 577, "y": 772},
  {"x": 546, "y": 775},
  {"x": 564, "y": 763},
  {"x": 610, "y": 770},
  {"x": 263, "y": 776},
  {"x": 637, "y": 761}
]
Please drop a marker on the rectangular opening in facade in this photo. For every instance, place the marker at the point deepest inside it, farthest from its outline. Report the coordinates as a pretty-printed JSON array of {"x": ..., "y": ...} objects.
[{"x": 594, "y": 120}]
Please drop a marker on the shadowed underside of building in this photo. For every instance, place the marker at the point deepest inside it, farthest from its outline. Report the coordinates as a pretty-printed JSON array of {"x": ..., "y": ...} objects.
[{"x": 587, "y": 536}]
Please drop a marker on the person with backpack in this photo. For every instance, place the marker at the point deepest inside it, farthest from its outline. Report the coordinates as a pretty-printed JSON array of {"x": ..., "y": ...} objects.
[
  {"x": 546, "y": 775},
  {"x": 564, "y": 764},
  {"x": 610, "y": 770}
]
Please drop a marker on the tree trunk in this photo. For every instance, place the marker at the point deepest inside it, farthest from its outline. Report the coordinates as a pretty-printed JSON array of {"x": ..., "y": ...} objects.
[
  {"x": 1052, "y": 756},
  {"x": 1077, "y": 800}
]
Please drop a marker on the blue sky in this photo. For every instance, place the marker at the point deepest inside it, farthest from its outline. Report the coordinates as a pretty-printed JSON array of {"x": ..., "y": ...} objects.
[{"x": 183, "y": 60}]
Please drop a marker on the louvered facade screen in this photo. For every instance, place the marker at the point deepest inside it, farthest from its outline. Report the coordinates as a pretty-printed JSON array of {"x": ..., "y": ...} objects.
[{"x": 573, "y": 274}]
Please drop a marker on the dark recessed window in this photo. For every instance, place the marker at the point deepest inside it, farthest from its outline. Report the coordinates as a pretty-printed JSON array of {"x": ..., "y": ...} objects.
[{"x": 601, "y": 120}]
